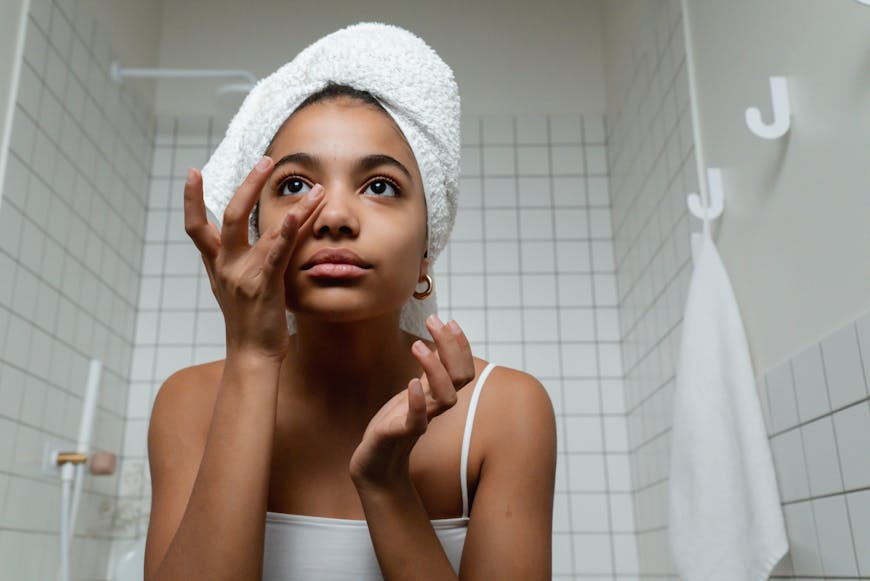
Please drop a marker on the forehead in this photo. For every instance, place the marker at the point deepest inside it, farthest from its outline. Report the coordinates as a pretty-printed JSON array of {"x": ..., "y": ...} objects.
[{"x": 343, "y": 127}]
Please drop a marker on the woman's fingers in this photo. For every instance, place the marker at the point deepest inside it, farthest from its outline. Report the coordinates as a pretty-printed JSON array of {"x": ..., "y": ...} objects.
[
  {"x": 234, "y": 233},
  {"x": 204, "y": 234},
  {"x": 454, "y": 350},
  {"x": 441, "y": 388},
  {"x": 417, "y": 419},
  {"x": 280, "y": 241}
]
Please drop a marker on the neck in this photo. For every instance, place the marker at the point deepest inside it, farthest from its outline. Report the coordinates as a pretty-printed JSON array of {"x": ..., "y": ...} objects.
[{"x": 350, "y": 367}]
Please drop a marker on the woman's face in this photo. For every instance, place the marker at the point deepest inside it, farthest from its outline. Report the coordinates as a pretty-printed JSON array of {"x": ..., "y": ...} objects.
[{"x": 371, "y": 207}]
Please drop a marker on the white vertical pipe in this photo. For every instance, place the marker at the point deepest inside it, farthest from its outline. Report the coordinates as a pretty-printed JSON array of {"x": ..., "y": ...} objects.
[
  {"x": 700, "y": 161},
  {"x": 86, "y": 428},
  {"x": 6, "y": 137}
]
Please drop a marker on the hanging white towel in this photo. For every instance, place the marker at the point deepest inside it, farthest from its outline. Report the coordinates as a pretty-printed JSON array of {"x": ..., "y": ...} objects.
[{"x": 726, "y": 520}]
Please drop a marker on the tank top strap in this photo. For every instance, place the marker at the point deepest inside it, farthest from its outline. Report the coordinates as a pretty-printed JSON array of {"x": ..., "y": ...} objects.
[{"x": 466, "y": 435}]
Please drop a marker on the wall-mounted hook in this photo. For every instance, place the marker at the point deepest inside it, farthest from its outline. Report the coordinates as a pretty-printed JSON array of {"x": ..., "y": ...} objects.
[
  {"x": 781, "y": 112},
  {"x": 717, "y": 197},
  {"x": 864, "y": 2}
]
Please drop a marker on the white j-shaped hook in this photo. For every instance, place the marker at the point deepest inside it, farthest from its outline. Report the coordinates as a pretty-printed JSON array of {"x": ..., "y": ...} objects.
[
  {"x": 717, "y": 197},
  {"x": 865, "y": 2},
  {"x": 781, "y": 112}
]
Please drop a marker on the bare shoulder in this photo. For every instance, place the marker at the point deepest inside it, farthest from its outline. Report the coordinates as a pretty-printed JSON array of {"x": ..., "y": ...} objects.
[
  {"x": 515, "y": 405},
  {"x": 187, "y": 397}
]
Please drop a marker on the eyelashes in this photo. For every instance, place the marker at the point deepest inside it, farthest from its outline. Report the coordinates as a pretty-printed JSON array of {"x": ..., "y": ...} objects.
[{"x": 288, "y": 179}]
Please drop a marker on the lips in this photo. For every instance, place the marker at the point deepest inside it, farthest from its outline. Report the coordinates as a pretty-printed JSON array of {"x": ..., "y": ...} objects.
[{"x": 335, "y": 263}]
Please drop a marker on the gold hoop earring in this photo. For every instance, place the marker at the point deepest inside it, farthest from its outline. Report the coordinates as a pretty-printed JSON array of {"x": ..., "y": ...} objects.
[{"x": 430, "y": 286}]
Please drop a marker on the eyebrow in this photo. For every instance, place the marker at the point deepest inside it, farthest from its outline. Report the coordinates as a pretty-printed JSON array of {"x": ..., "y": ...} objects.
[{"x": 362, "y": 164}]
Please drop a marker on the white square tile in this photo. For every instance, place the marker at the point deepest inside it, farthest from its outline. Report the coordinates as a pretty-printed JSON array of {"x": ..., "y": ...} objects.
[
  {"x": 176, "y": 328},
  {"x": 182, "y": 258},
  {"x": 618, "y": 473},
  {"x": 598, "y": 190},
  {"x": 149, "y": 292},
  {"x": 539, "y": 290},
  {"x": 499, "y": 160},
  {"x": 509, "y": 355},
  {"x": 503, "y": 290},
  {"x": 466, "y": 258},
  {"x": 542, "y": 359},
  {"x": 536, "y": 224},
  {"x": 780, "y": 389},
  {"x": 842, "y": 361},
  {"x": 575, "y": 290},
  {"x": 540, "y": 325},
  {"x": 139, "y": 401},
  {"x": 470, "y": 161},
  {"x": 823, "y": 466},
  {"x": 168, "y": 360},
  {"x": 561, "y": 513},
  {"x": 504, "y": 324},
  {"x": 146, "y": 328},
  {"x": 470, "y": 129},
  {"x": 503, "y": 257},
  {"x": 569, "y": 191},
  {"x": 179, "y": 292},
  {"x": 615, "y": 434},
  {"x": 573, "y": 256},
  {"x": 600, "y": 223},
  {"x": 810, "y": 386},
  {"x": 473, "y": 323},
  {"x": 610, "y": 359},
  {"x": 533, "y": 160},
  {"x": 835, "y": 536},
  {"x": 586, "y": 472},
  {"x": 592, "y": 553},
  {"x": 534, "y": 192},
  {"x": 607, "y": 324},
  {"x": 853, "y": 442},
  {"x": 470, "y": 193},
  {"x": 581, "y": 396},
  {"x": 863, "y": 328},
  {"x": 577, "y": 324},
  {"x": 791, "y": 470},
  {"x": 590, "y": 512},
  {"x": 210, "y": 327},
  {"x": 572, "y": 223},
  {"x": 135, "y": 437},
  {"x": 579, "y": 360},
  {"x": 567, "y": 159},
  {"x": 562, "y": 547},
  {"x": 501, "y": 224},
  {"x": 612, "y": 396},
  {"x": 596, "y": 159},
  {"x": 500, "y": 191},
  {"x": 466, "y": 291},
  {"x": 622, "y": 512},
  {"x": 858, "y": 504},
  {"x": 537, "y": 257}
]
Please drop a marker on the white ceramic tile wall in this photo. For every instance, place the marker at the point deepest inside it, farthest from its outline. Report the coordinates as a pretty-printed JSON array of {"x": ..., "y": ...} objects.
[
  {"x": 529, "y": 273},
  {"x": 817, "y": 410},
  {"x": 72, "y": 223},
  {"x": 815, "y": 405},
  {"x": 652, "y": 168}
]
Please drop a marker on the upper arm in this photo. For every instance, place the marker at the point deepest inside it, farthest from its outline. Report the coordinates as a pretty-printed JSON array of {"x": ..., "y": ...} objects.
[
  {"x": 510, "y": 530},
  {"x": 176, "y": 441}
]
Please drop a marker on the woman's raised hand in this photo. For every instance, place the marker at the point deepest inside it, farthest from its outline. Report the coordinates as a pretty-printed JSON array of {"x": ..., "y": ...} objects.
[
  {"x": 382, "y": 456},
  {"x": 248, "y": 281}
]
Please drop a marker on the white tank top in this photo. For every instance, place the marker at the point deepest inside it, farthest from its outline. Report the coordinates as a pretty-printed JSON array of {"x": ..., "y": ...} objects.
[{"x": 314, "y": 548}]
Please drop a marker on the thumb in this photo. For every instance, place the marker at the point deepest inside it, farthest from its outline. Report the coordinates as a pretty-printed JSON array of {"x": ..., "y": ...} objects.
[{"x": 416, "y": 421}]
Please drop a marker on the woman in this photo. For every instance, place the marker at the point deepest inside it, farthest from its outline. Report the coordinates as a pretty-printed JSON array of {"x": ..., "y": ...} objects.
[{"x": 333, "y": 451}]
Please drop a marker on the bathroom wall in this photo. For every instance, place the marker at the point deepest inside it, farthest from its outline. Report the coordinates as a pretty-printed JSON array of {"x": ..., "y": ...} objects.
[
  {"x": 652, "y": 167},
  {"x": 797, "y": 246},
  {"x": 72, "y": 225},
  {"x": 529, "y": 273},
  {"x": 808, "y": 339}
]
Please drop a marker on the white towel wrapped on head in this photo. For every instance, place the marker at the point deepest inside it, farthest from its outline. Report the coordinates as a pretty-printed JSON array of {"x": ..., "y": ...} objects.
[{"x": 407, "y": 77}]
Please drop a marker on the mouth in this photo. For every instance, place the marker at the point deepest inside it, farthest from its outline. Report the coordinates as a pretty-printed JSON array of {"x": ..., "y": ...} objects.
[{"x": 336, "y": 263}]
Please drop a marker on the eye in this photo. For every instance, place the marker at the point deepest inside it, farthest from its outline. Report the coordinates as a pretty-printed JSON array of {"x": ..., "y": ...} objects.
[
  {"x": 384, "y": 187},
  {"x": 291, "y": 186}
]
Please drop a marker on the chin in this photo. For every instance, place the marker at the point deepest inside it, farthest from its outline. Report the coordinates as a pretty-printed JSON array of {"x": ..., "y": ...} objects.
[{"x": 342, "y": 307}]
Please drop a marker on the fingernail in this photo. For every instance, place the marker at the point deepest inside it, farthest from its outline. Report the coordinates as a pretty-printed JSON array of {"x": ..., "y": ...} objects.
[
  {"x": 263, "y": 163},
  {"x": 315, "y": 192},
  {"x": 191, "y": 175},
  {"x": 420, "y": 347},
  {"x": 435, "y": 321},
  {"x": 454, "y": 327}
]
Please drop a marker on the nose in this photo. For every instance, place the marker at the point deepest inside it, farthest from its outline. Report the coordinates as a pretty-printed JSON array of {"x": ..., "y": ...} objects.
[{"x": 337, "y": 216}]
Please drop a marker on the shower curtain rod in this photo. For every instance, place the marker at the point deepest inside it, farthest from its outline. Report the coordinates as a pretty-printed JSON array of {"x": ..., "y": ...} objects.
[{"x": 119, "y": 73}]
